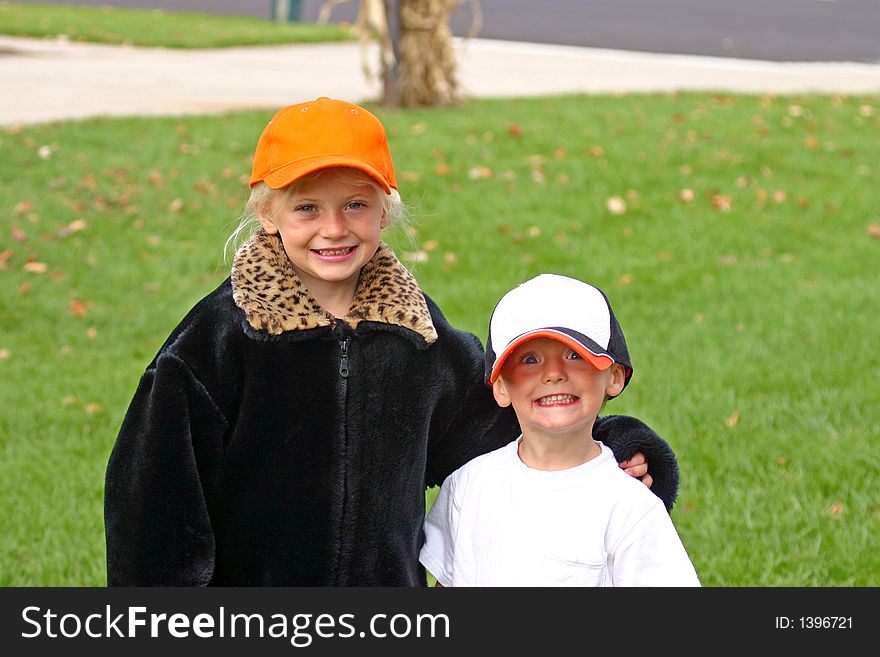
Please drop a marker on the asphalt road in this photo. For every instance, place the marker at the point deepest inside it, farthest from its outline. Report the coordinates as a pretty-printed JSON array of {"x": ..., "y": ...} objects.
[{"x": 775, "y": 30}]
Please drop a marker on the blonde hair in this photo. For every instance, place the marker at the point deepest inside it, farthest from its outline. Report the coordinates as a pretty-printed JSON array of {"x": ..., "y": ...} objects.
[{"x": 262, "y": 195}]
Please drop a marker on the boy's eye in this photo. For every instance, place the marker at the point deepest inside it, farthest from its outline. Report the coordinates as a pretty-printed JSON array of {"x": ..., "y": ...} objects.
[
  {"x": 574, "y": 356},
  {"x": 528, "y": 359}
]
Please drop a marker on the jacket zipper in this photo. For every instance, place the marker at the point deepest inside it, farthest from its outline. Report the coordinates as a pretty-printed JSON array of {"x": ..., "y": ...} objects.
[
  {"x": 339, "y": 566},
  {"x": 343, "y": 361}
]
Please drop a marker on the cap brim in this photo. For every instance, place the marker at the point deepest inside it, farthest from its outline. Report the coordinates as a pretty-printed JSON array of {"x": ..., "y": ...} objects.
[
  {"x": 283, "y": 176},
  {"x": 599, "y": 360}
]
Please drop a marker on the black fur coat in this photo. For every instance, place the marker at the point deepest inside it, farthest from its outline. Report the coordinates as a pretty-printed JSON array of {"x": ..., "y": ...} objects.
[{"x": 271, "y": 445}]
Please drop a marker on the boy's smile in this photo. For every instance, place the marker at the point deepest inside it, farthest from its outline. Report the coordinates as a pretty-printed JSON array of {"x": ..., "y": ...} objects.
[{"x": 557, "y": 400}]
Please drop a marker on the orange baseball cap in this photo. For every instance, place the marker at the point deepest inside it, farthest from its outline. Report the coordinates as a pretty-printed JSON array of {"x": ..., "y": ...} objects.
[{"x": 318, "y": 134}]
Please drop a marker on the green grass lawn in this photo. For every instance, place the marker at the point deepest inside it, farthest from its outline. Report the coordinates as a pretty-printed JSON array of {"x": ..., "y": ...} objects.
[
  {"x": 156, "y": 28},
  {"x": 738, "y": 238}
]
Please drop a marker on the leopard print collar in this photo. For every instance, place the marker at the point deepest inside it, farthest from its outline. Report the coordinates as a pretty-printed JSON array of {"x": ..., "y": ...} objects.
[{"x": 267, "y": 289}]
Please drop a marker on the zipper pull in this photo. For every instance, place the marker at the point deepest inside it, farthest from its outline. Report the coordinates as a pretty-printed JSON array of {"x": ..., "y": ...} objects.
[{"x": 343, "y": 361}]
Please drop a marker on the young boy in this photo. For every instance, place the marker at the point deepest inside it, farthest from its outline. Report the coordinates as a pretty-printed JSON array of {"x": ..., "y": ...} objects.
[{"x": 552, "y": 508}]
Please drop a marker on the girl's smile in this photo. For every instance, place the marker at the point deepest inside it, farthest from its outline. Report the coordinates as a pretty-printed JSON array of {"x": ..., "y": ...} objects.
[{"x": 339, "y": 254}]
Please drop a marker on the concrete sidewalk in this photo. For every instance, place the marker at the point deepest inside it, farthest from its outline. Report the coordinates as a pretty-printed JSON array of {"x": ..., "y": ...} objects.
[{"x": 48, "y": 80}]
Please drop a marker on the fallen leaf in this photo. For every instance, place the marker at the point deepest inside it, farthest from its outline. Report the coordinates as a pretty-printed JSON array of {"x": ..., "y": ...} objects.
[
  {"x": 18, "y": 235},
  {"x": 4, "y": 354},
  {"x": 176, "y": 205},
  {"x": 205, "y": 188},
  {"x": 78, "y": 307},
  {"x": 22, "y": 206},
  {"x": 873, "y": 231},
  {"x": 479, "y": 173},
  {"x": 838, "y": 508},
  {"x": 25, "y": 287},
  {"x": 625, "y": 279},
  {"x": 686, "y": 195},
  {"x": 92, "y": 408},
  {"x": 733, "y": 420},
  {"x": 92, "y": 333},
  {"x": 442, "y": 169},
  {"x": 430, "y": 245},
  {"x": 36, "y": 267},
  {"x": 615, "y": 205},
  {"x": 68, "y": 400},
  {"x": 416, "y": 256},
  {"x": 418, "y": 128},
  {"x": 514, "y": 130},
  {"x": 410, "y": 176},
  {"x": 73, "y": 227},
  {"x": 722, "y": 202}
]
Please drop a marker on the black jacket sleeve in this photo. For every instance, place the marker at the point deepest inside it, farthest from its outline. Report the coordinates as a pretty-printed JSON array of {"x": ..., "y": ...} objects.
[
  {"x": 156, "y": 520},
  {"x": 466, "y": 421},
  {"x": 626, "y": 435}
]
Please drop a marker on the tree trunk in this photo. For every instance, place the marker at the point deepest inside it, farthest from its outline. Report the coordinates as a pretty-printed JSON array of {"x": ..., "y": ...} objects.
[{"x": 425, "y": 72}]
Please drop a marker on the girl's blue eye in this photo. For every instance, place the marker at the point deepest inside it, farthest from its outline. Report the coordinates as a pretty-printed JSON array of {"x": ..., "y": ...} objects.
[
  {"x": 305, "y": 208},
  {"x": 357, "y": 205}
]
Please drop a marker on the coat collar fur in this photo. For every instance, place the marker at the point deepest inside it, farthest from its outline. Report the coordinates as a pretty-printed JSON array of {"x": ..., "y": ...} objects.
[{"x": 274, "y": 299}]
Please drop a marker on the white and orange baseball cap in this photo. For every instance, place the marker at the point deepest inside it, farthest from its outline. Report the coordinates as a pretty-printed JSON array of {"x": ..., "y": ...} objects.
[
  {"x": 318, "y": 134},
  {"x": 561, "y": 308}
]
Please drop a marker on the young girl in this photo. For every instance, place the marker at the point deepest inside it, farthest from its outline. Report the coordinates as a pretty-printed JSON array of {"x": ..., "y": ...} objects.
[{"x": 286, "y": 430}]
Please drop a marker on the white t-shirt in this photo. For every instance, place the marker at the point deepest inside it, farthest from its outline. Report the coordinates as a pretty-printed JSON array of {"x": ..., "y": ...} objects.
[{"x": 497, "y": 522}]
